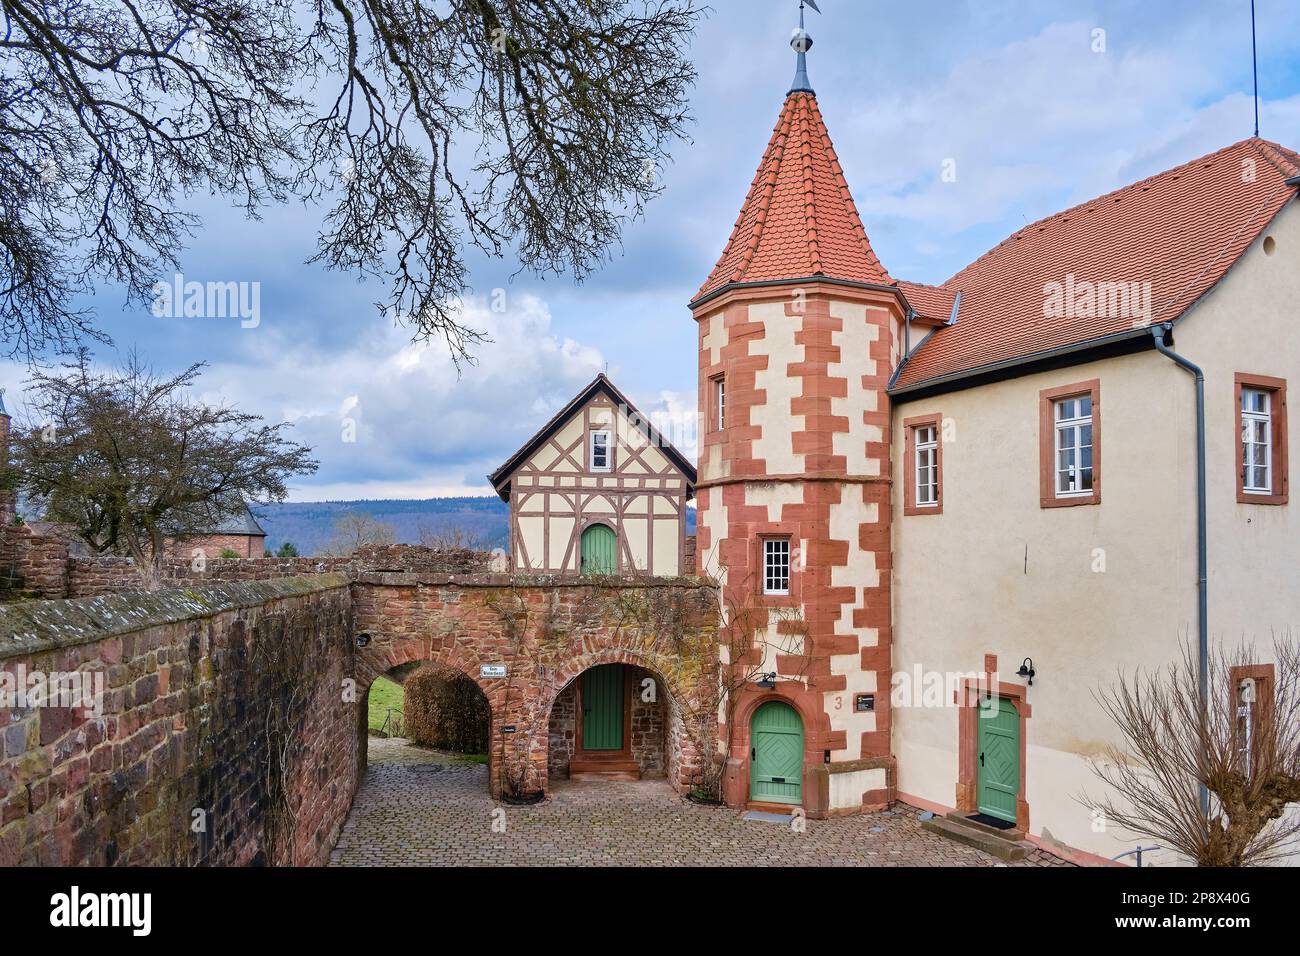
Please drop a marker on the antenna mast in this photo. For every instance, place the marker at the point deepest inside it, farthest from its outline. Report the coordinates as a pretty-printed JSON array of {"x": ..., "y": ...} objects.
[{"x": 1254, "y": 64}]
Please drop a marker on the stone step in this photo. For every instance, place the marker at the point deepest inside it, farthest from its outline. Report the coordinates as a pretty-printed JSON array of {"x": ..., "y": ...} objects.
[
  {"x": 594, "y": 776},
  {"x": 974, "y": 835},
  {"x": 1011, "y": 834},
  {"x": 603, "y": 768}
]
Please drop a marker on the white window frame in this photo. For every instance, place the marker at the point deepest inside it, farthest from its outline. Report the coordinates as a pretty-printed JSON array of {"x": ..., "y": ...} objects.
[
  {"x": 608, "y": 448},
  {"x": 776, "y": 566},
  {"x": 1250, "y": 461},
  {"x": 1073, "y": 425},
  {"x": 925, "y": 456},
  {"x": 720, "y": 400}
]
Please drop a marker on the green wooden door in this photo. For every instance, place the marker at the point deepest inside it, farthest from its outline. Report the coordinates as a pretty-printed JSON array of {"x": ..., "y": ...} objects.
[
  {"x": 602, "y": 708},
  {"x": 999, "y": 760},
  {"x": 598, "y": 550},
  {"x": 776, "y": 754}
]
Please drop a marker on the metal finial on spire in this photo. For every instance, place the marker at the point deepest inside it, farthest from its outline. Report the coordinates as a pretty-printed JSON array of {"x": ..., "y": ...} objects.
[{"x": 801, "y": 42}]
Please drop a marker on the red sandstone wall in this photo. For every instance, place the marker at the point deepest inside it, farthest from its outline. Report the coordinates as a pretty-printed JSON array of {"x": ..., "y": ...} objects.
[
  {"x": 183, "y": 728},
  {"x": 37, "y": 566},
  {"x": 547, "y": 634}
]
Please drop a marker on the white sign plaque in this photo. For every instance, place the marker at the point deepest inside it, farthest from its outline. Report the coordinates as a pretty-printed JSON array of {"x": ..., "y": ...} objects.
[{"x": 492, "y": 670}]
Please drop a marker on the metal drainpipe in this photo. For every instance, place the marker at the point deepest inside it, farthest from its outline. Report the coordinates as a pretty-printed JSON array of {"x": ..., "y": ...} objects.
[{"x": 1202, "y": 585}]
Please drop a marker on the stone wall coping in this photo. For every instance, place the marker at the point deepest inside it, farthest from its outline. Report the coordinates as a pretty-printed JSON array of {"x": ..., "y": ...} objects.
[
  {"x": 866, "y": 763},
  {"x": 34, "y": 626},
  {"x": 626, "y": 582}
]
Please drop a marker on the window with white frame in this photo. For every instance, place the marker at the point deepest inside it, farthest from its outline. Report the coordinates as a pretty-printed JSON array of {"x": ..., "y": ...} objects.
[
  {"x": 1256, "y": 441},
  {"x": 601, "y": 456},
  {"x": 776, "y": 566},
  {"x": 720, "y": 401},
  {"x": 1074, "y": 465},
  {"x": 926, "y": 457}
]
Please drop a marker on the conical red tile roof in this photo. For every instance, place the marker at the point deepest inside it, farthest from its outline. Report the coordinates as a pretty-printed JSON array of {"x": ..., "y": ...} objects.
[{"x": 798, "y": 219}]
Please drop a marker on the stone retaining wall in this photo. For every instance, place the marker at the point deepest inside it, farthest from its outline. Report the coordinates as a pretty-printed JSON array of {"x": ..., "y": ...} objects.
[{"x": 224, "y": 732}]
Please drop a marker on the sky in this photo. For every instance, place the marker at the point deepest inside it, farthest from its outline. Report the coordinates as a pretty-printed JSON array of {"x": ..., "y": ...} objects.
[{"x": 1031, "y": 106}]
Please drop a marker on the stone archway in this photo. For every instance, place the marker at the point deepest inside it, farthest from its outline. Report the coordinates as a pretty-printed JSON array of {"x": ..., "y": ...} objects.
[
  {"x": 523, "y": 640},
  {"x": 659, "y": 743},
  {"x": 381, "y": 658}
]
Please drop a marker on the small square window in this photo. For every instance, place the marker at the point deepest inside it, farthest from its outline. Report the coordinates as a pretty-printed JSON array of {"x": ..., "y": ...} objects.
[
  {"x": 776, "y": 566},
  {"x": 601, "y": 455}
]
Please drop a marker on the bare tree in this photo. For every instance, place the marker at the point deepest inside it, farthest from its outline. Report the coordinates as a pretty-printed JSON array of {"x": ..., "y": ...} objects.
[
  {"x": 452, "y": 537},
  {"x": 130, "y": 464},
  {"x": 356, "y": 529},
  {"x": 1243, "y": 744},
  {"x": 536, "y": 124}
]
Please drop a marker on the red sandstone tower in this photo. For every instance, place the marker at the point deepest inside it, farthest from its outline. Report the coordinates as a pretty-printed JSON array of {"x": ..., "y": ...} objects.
[{"x": 799, "y": 326}]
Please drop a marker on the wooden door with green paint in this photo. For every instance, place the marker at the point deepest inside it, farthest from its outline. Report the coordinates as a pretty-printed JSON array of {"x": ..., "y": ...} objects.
[
  {"x": 602, "y": 708},
  {"x": 776, "y": 754},
  {"x": 999, "y": 759},
  {"x": 599, "y": 550}
]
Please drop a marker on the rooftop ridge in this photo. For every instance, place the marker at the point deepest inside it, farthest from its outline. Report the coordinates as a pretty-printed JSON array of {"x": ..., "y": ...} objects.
[{"x": 1087, "y": 204}]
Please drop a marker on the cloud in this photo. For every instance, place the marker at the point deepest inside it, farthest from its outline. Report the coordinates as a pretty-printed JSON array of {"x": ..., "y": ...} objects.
[{"x": 391, "y": 418}]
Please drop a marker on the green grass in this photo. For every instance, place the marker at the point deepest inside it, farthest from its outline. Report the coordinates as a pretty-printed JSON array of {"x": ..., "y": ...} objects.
[{"x": 384, "y": 694}]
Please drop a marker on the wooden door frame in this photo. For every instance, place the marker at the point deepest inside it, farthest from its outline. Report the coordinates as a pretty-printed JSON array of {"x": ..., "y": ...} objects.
[
  {"x": 973, "y": 690},
  {"x": 626, "y": 752}
]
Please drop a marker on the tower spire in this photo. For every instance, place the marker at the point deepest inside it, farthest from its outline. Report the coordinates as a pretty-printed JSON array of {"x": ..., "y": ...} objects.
[{"x": 801, "y": 41}]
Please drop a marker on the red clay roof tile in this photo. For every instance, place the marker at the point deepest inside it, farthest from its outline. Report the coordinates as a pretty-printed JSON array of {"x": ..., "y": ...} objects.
[
  {"x": 798, "y": 219},
  {"x": 1180, "y": 231}
]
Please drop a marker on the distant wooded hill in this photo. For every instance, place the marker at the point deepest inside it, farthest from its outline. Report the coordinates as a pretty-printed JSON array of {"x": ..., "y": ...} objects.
[{"x": 309, "y": 525}]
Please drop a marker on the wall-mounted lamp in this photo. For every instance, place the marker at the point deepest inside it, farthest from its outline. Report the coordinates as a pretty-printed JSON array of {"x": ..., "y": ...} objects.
[
  {"x": 1027, "y": 670},
  {"x": 363, "y": 639},
  {"x": 767, "y": 681}
]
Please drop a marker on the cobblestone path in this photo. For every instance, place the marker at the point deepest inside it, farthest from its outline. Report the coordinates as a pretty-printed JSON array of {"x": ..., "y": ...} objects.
[{"x": 417, "y": 807}]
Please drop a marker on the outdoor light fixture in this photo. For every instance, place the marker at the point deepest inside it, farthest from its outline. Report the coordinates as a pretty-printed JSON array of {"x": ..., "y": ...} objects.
[
  {"x": 1027, "y": 670},
  {"x": 767, "y": 681},
  {"x": 363, "y": 640}
]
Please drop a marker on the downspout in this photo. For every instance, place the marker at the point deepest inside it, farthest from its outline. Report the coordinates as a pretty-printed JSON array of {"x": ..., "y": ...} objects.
[{"x": 1158, "y": 333}]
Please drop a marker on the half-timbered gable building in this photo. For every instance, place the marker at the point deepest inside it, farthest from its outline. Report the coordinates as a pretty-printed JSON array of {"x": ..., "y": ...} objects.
[{"x": 597, "y": 491}]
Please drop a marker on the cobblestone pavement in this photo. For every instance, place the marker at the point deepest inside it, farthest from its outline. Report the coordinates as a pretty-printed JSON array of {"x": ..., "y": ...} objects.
[{"x": 417, "y": 807}]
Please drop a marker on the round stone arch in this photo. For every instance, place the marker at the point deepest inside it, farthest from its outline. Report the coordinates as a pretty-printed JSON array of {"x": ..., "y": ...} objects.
[
  {"x": 378, "y": 658},
  {"x": 816, "y": 740},
  {"x": 685, "y": 756}
]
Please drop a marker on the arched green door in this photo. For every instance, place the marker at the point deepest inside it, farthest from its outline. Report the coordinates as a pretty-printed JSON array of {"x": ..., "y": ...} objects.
[
  {"x": 776, "y": 754},
  {"x": 599, "y": 550}
]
